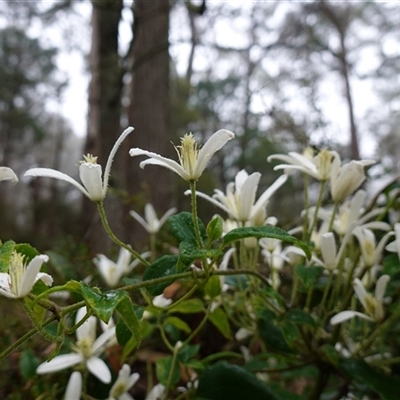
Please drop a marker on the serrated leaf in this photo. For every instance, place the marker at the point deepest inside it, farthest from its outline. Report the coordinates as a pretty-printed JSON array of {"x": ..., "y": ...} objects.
[
  {"x": 189, "y": 252},
  {"x": 387, "y": 386},
  {"x": 308, "y": 275},
  {"x": 220, "y": 320},
  {"x": 163, "y": 371},
  {"x": 128, "y": 314},
  {"x": 300, "y": 317},
  {"x": 191, "y": 306},
  {"x": 102, "y": 304},
  {"x": 265, "y": 232},
  {"x": 225, "y": 381},
  {"x": 178, "y": 323},
  {"x": 5, "y": 255},
  {"x": 164, "y": 266},
  {"x": 214, "y": 229},
  {"x": 182, "y": 228}
]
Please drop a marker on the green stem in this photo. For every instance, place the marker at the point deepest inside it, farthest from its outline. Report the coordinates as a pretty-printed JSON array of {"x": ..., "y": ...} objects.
[
  {"x": 110, "y": 233},
  {"x": 171, "y": 371},
  {"x": 194, "y": 214}
]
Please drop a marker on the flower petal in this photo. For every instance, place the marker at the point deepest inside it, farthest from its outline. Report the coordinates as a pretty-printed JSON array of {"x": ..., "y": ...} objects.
[
  {"x": 110, "y": 159},
  {"x": 59, "y": 363},
  {"x": 101, "y": 341},
  {"x": 248, "y": 195},
  {"x": 345, "y": 315},
  {"x": 30, "y": 276},
  {"x": 156, "y": 159},
  {"x": 90, "y": 175},
  {"x": 380, "y": 287},
  {"x": 139, "y": 219},
  {"x": 52, "y": 173},
  {"x": 360, "y": 291},
  {"x": 87, "y": 330},
  {"x": 7, "y": 174},
  {"x": 99, "y": 369},
  {"x": 213, "y": 144},
  {"x": 164, "y": 218},
  {"x": 74, "y": 387}
]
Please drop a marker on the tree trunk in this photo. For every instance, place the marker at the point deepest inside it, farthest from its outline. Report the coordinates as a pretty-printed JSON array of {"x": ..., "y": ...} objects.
[
  {"x": 104, "y": 110},
  {"x": 149, "y": 109}
]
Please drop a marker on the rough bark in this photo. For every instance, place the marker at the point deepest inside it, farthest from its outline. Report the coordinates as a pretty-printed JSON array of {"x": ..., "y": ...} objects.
[
  {"x": 104, "y": 109},
  {"x": 149, "y": 108}
]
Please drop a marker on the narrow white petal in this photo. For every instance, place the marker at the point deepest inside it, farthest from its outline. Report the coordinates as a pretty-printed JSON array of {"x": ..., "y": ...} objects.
[
  {"x": 74, "y": 387},
  {"x": 328, "y": 249},
  {"x": 215, "y": 202},
  {"x": 355, "y": 206},
  {"x": 156, "y": 159},
  {"x": 383, "y": 226},
  {"x": 52, "y": 173},
  {"x": 31, "y": 272},
  {"x": 7, "y": 174},
  {"x": 99, "y": 369},
  {"x": 124, "y": 257},
  {"x": 360, "y": 291},
  {"x": 282, "y": 157},
  {"x": 59, "y": 363},
  {"x": 213, "y": 144},
  {"x": 164, "y": 218},
  {"x": 225, "y": 260},
  {"x": 99, "y": 343},
  {"x": 132, "y": 380},
  {"x": 8, "y": 293},
  {"x": 87, "y": 329},
  {"x": 381, "y": 287},
  {"x": 110, "y": 159},
  {"x": 150, "y": 214},
  {"x": 345, "y": 315},
  {"x": 139, "y": 219},
  {"x": 45, "y": 278},
  {"x": 90, "y": 175},
  {"x": 136, "y": 262},
  {"x": 268, "y": 193},
  {"x": 248, "y": 195}
]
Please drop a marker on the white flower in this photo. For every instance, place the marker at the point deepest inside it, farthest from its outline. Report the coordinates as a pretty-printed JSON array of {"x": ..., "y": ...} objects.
[
  {"x": 19, "y": 280},
  {"x": 318, "y": 166},
  {"x": 161, "y": 301},
  {"x": 94, "y": 187},
  {"x": 85, "y": 351},
  {"x": 150, "y": 222},
  {"x": 347, "y": 178},
  {"x": 373, "y": 305},
  {"x": 111, "y": 271},
  {"x": 238, "y": 201},
  {"x": 192, "y": 160},
  {"x": 328, "y": 250},
  {"x": 369, "y": 250},
  {"x": 123, "y": 384},
  {"x": 395, "y": 246},
  {"x": 156, "y": 393},
  {"x": 74, "y": 387},
  {"x": 7, "y": 174}
]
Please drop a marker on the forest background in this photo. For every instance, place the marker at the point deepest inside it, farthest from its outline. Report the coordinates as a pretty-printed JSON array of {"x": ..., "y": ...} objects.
[{"x": 281, "y": 75}]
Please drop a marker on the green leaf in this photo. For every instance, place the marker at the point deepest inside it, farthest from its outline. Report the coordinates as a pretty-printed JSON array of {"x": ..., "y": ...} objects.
[
  {"x": 27, "y": 250},
  {"x": 189, "y": 252},
  {"x": 187, "y": 352},
  {"x": 191, "y": 306},
  {"x": 213, "y": 287},
  {"x": 129, "y": 347},
  {"x": 290, "y": 332},
  {"x": 102, "y": 304},
  {"x": 28, "y": 363},
  {"x": 225, "y": 381},
  {"x": 387, "y": 386},
  {"x": 300, "y": 317},
  {"x": 163, "y": 368},
  {"x": 182, "y": 228},
  {"x": 164, "y": 266},
  {"x": 5, "y": 255},
  {"x": 330, "y": 353},
  {"x": 391, "y": 265},
  {"x": 214, "y": 229},
  {"x": 265, "y": 232},
  {"x": 128, "y": 314},
  {"x": 308, "y": 275},
  {"x": 122, "y": 332},
  {"x": 178, "y": 323},
  {"x": 272, "y": 335},
  {"x": 220, "y": 320}
]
